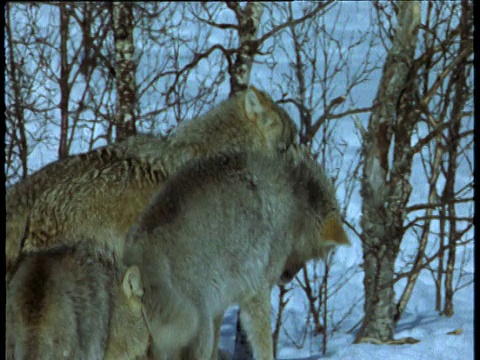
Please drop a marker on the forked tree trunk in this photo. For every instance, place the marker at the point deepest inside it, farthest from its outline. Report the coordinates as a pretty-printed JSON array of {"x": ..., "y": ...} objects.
[
  {"x": 387, "y": 167},
  {"x": 248, "y": 19}
]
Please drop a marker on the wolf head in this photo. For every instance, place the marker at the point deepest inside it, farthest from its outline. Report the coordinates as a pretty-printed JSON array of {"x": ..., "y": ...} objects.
[
  {"x": 273, "y": 121},
  {"x": 321, "y": 221}
]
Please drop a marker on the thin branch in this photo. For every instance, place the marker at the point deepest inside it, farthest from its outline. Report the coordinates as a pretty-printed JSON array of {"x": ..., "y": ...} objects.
[
  {"x": 214, "y": 24},
  {"x": 196, "y": 60},
  {"x": 417, "y": 207},
  {"x": 434, "y": 133},
  {"x": 438, "y": 82},
  {"x": 351, "y": 227},
  {"x": 438, "y": 217},
  {"x": 272, "y": 32},
  {"x": 349, "y": 112},
  {"x": 428, "y": 260}
]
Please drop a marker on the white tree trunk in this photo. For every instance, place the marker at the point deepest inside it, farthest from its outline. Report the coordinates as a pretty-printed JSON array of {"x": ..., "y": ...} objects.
[
  {"x": 387, "y": 168},
  {"x": 248, "y": 23},
  {"x": 125, "y": 69}
]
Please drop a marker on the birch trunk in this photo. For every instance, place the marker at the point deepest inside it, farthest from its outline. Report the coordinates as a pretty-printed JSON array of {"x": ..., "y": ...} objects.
[
  {"x": 387, "y": 167},
  {"x": 125, "y": 69},
  {"x": 248, "y": 19}
]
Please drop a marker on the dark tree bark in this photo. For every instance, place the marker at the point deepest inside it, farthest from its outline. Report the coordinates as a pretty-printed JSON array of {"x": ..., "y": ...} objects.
[
  {"x": 64, "y": 86},
  {"x": 459, "y": 101}
]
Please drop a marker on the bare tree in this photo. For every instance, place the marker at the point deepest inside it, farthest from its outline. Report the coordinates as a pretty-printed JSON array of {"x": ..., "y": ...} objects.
[
  {"x": 444, "y": 101},
  {"x": 385, "y": 185},
  {"x": 60, "y": 106},
  {"x": 248, "y": 19},
  {"x": 125, "y": 69},
  {"x": 459, "y": 95},
  {"x": 16, "y": 136},
  {"x": 409, "y": 98}
]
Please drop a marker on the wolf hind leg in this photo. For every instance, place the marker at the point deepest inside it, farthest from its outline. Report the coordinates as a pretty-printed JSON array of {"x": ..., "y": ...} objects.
[
  {"x": 172, "y": 319},
  {"x": 217, "y": 324},
  {"x": 201, "y": 347},
  {"x": 255, "y": 318}
]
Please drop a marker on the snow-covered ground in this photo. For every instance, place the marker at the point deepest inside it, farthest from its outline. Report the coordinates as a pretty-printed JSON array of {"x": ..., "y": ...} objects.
[{"x": 420, "y": 321}]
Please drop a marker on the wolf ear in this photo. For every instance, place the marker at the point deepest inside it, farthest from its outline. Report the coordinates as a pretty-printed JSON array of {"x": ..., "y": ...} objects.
[
  {"x": 252, "y": 103},
  {"x": 132, "y": 283},
  {"x": 333, "y": 232}
]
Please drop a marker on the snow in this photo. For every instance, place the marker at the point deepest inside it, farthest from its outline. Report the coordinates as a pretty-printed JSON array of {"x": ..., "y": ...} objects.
[{"x": 420, "y": 321}]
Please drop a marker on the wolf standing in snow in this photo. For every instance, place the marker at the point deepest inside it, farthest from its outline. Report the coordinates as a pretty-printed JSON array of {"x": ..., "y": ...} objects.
[{"x": 221, "y": 231}]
